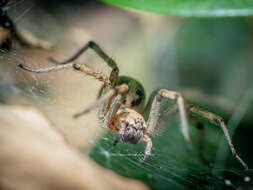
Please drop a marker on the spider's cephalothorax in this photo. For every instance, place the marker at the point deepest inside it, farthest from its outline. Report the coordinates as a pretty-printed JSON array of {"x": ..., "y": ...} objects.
[
  {"x": 135, "y": 98},
  {"x": 131, "y": 123},
  {"x": 128, "y": 121},
  {"x": 121, "y": 104}
]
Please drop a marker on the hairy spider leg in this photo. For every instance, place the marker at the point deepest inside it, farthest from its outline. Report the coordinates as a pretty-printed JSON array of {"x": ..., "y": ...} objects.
[
  {"x": 79, "y": 67},
  {"x": 114, "y": 107},
  {"x": 148, "y": 148},
  {"x": 110, "y": 94},
  {"x": 200, "y": 127},
  {"x": 164, "y": 115},
  {"x": 211, "y": 117},
  {"x": 45, "y": 69},
  {"x": 113, "y": 78},
  {"x": 104, "y": 106},
  {"x": 197, "y": 123},
  {"x": 25, "y": 38},
  {"x": 110, "y": 62},
  {"x": 155, "y": 112},
  {"x": 118, "y": 92},
  {"x": 220, "y": 122},
  {"x": 99, "y": 76},
  {"x": 120, "y": 133}
]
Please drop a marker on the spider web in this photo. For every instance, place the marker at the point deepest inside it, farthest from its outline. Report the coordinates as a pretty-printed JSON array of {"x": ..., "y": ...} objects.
[{"x": 171, "y": 165}]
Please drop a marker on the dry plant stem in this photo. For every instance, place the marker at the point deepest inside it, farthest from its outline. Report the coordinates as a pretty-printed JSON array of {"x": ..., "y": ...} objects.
[{"x": 219, "y": 121}]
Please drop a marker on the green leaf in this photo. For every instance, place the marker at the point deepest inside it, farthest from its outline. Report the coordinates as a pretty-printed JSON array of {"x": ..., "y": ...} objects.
[
  {"x": 190, "y": 8},
  {"x": 171, "y": 165}
]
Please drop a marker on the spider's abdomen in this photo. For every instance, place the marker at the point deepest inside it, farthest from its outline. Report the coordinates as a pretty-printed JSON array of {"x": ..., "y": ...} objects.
[{"x": 135, "y": 125}]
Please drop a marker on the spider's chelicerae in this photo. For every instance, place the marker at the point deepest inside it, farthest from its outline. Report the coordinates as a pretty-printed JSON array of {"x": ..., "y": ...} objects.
[{"x": 121, "y": 104}]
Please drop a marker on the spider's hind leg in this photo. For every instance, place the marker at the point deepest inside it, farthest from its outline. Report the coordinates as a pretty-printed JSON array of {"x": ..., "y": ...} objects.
[
  {"x": 195, "y": 121},
  {"x": 201, "y": 135},
  {"x": 220, "y": 122}
]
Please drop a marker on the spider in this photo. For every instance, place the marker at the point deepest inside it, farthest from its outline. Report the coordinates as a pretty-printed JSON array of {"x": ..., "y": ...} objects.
[{"x": 121, "y": 104}]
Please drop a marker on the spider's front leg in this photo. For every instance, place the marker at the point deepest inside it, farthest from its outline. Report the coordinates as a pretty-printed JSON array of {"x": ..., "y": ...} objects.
[
  {"x": 115, "y": 96},
  {"x": 154, "y": 114},
  {"x": 111, "y": 81},
  {"x": 27, "y": 39},
  {"x": 80, "y": 67},
  {"x": 94, "y": 46}
]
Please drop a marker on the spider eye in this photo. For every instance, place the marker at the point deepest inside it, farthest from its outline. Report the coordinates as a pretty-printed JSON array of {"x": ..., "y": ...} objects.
[
  {"x": 139, "y": 92},
  {"x": 136, "y": 102}
]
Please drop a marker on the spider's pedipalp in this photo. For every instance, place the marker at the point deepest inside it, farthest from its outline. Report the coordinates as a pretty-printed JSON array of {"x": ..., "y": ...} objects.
[{"x": 120, "y": 134}]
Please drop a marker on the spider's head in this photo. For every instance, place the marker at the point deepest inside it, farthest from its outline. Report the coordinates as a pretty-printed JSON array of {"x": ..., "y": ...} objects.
[
  {"x": 134, "y": 126},
  {"x": 131, "y": 135},
  {"x": 135, "y": 98}
]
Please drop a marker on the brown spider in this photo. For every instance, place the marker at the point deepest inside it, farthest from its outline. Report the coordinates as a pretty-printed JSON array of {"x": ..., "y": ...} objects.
[{"x": 121, "y": 104}]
